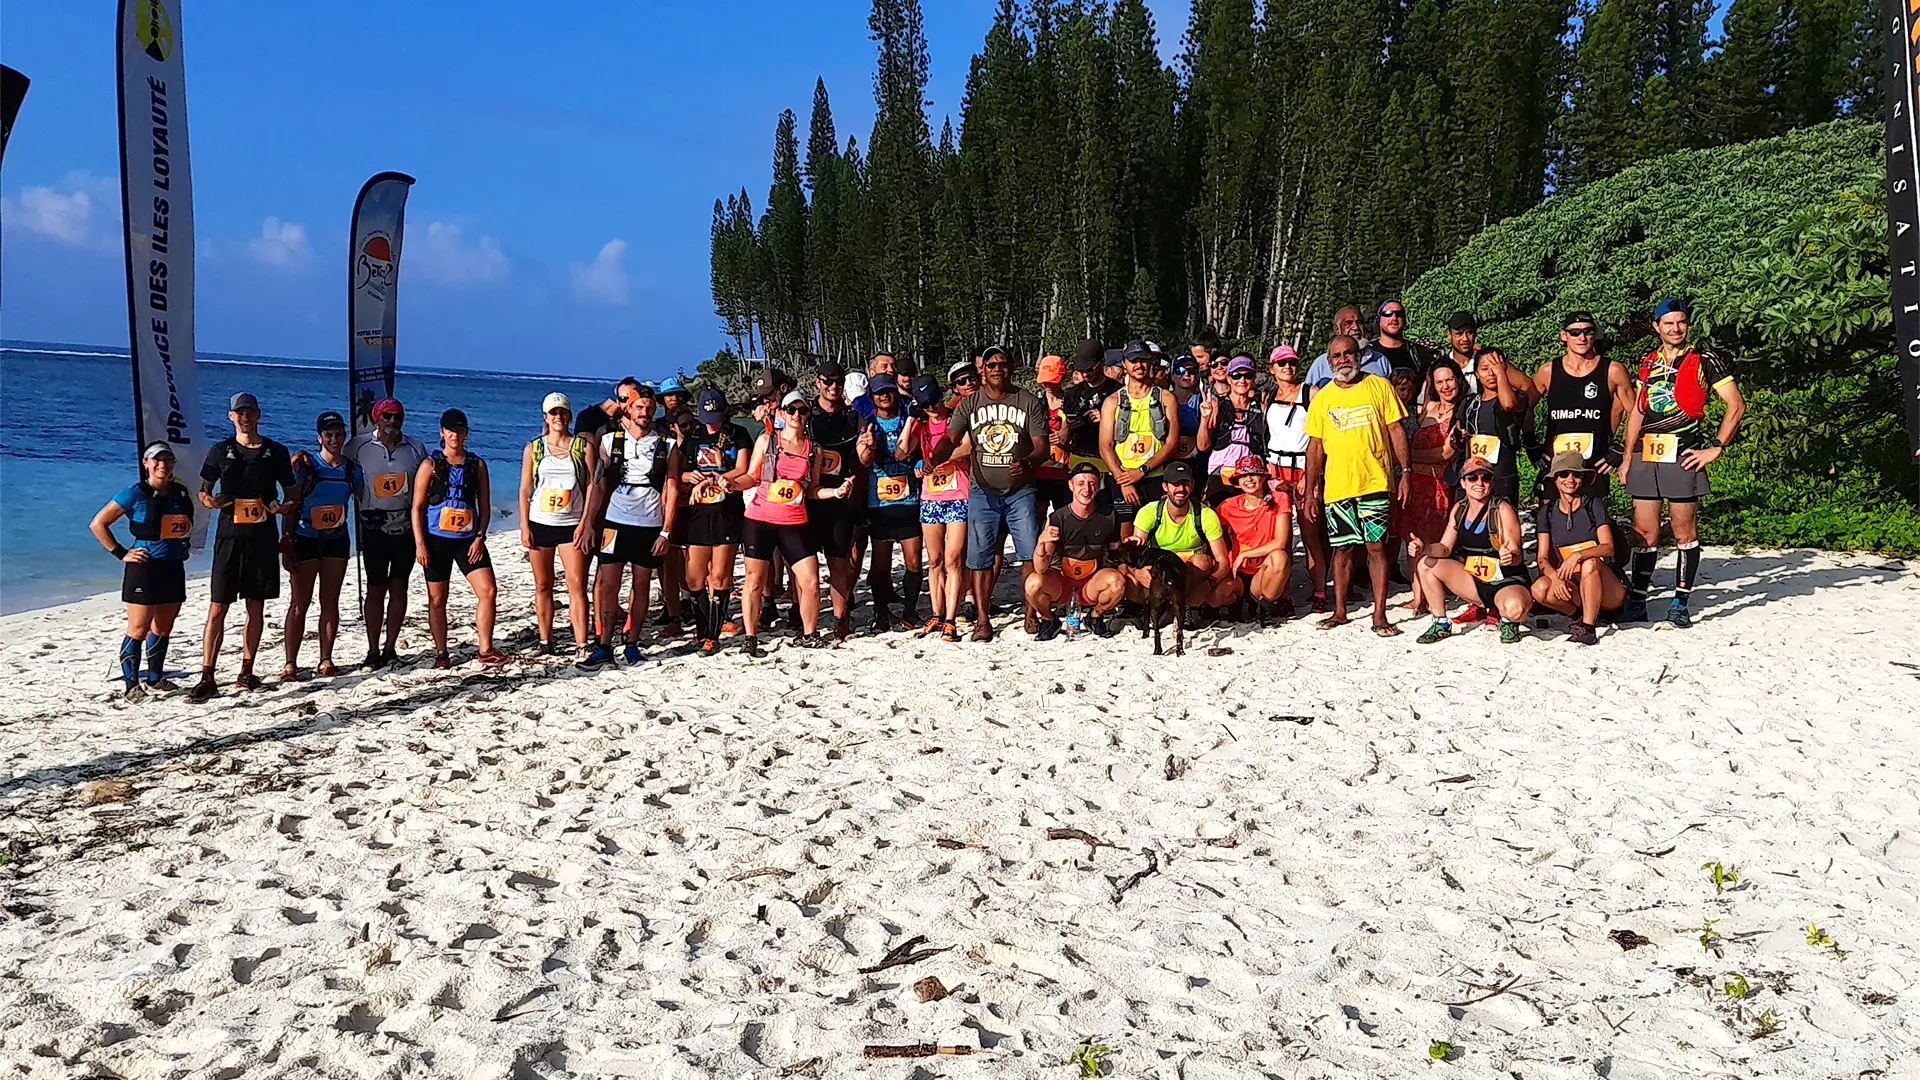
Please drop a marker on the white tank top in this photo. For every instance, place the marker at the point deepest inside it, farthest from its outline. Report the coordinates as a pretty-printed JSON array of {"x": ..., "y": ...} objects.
[
  {"x": 556, "y": 500},
  {"x": 1287, "y": 433}
]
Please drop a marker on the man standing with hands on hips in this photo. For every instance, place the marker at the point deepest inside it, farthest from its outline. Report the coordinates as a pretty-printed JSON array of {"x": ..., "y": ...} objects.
[
  {"x": 248, "y": 479},
  {"x": 1666, "y": 455}
]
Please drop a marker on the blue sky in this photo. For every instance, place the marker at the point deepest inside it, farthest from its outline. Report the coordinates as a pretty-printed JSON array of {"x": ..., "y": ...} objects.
[{"x": 567, "y": 157}]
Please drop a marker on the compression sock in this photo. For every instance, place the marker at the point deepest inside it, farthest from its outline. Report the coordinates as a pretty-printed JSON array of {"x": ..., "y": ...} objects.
[
  {"x": 910, "y": 594},
  {"x": 880, "y": 584},
  {"x": 1686, "y": 568},
  {"x": 129, "y": 660},
  {"x": 1642, "y": 573},
  {"x": 157, "y": 657},
  {"x": 703, "y": 625}
]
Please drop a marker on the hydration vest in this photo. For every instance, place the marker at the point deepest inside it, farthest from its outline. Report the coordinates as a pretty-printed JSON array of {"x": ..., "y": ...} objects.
[{"x": 616, "y": 465}]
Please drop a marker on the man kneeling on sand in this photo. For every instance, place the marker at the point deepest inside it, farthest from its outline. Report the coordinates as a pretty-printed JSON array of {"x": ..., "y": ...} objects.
[{"x": 1072, "y": 548}]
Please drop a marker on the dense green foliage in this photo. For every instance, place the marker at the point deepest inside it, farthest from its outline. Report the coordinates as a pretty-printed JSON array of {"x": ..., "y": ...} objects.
[
  {"x": 1783, "y": 245},
  {"x": 1296, "y": 157}
]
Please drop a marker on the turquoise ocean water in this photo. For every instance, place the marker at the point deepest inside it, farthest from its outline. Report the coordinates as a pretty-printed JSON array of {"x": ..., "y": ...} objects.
[{"x": 67, "y": 442}]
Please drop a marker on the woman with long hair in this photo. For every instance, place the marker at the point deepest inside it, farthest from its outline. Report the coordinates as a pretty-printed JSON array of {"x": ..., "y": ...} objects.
[
  {"x": 716, "y": 454},
  {"x": 556, "y": 471},
  {"x": 1287, "y": 464},
  {"x": 159, "y": 512},
  {"x": 943, "y": 512},
  {"x": 1424, "y": 517},
  {"x": 1262, "y": 552}
]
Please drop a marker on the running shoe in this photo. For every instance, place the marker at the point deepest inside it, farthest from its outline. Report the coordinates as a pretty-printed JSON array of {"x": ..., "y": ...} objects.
[
  {"x": 1581, "y": 634},
  {"x": 752, "y": 647},
  {"x": 135, "y": 691},
  {"x": 1678, "y": 616},
  {"x": 442, "y": 662},
  {"x": 931, "y": 626},
  {"x": 1047, "y": 631},
  {"x": 163, "y": 686},
  {"x": 882, "y": 619},
  {"x": 203, "y": 690},
  {"x": 493, "y": 658},
  {"x": 729, "y": 628},
  {"x": 374, "y": 661},
  {"x": 1634, "y": 611},
  {"x": 598, "y": 657},
  {"x": 631, "y": 654},
  {"x": 1474, "y": 613},
  {"x": 1197, "y": 619},
  {"x": 1439, "y": 631},
  {"x": 1100, "y": 626},
  {"x": 816, "y": 640},
  {"x": 1320, "y": 604},
  {"x": 390, "y": 657},
  {"x": 1509, "y": 632},
  {"x": 247, "y": 681},
  {"x": 708, "y": 647},
  {"x": 949, "y": 631}
]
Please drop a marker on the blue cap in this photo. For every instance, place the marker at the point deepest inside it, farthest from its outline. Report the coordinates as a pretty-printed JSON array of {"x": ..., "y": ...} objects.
[
  {"x": 1670, "y": 305},
  {"x": 710, "y": 407},
  {"x": 926, "y": 390},
  {"x": 672, "y": 386}
]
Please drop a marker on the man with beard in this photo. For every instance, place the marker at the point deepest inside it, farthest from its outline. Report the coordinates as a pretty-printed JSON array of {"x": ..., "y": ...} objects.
[
  {"x": 1357, "y": 455},
  {"x": 388, "y": 458},
  {"x": 1587, "y": 397},
  {"x": 1391, "y": 324},
  {"x": 1139, "y": 433}
]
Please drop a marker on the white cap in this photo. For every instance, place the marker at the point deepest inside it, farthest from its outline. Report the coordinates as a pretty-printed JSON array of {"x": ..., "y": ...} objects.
[
  {"x": 855, "y": 385},
  {"x": 794, "y": 397},
  {"x": 556, "y": 400}
]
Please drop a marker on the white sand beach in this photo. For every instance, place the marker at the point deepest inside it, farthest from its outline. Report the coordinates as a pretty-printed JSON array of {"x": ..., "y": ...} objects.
[{"x": 1355, "y": 850}]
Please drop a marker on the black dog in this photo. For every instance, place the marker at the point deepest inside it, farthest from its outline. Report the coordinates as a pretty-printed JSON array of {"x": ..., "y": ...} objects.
[{"x": 1166, "y": 594}]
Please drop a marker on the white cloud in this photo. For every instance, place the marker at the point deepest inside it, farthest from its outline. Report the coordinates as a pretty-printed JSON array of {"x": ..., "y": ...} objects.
[
  {"x": 442, "y": 255},
  {"x": 280, "y": 244},
  {"x": 47, "y": 212},
  {"x": 605, "y": 279}
]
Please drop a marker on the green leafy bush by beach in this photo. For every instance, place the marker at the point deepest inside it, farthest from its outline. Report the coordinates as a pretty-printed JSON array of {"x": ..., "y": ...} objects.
[{"x": 1782, "y": 246}]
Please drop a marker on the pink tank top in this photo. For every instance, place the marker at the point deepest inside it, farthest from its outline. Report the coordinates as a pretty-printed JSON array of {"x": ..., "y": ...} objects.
[
  {"x": 948, "y": 483},
  {"x": 783, "y": 500}
]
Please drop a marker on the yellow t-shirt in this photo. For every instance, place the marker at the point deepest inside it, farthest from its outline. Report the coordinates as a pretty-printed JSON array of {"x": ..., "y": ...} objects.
[{"x": 1351, "y": 422}]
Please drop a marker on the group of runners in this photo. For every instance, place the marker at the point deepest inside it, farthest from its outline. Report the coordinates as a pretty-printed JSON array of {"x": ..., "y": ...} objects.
[{"x": 1382, "y": 447}]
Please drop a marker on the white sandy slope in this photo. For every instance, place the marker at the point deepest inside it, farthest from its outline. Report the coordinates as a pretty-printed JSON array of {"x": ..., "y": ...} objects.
[{"x": 676, "y": 870}]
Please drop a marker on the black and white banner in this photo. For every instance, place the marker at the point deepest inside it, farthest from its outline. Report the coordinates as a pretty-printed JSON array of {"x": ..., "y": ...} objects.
[
  {"x": 373, "y": 283},
  {"x": 156, "y": 192},
  {"x": 1903, "y": 200}
]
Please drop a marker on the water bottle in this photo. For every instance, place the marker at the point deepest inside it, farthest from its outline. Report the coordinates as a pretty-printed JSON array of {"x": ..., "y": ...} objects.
[{"x": 1073, "y": 622}]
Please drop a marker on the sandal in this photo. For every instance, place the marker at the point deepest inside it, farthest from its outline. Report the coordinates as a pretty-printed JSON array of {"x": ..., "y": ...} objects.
[
  {"x": 326, "y": 670},
  {"x": 1330, "y": 622},
  {"x": 289, "y": 674},
  {"x": 1387, "y": 630}
]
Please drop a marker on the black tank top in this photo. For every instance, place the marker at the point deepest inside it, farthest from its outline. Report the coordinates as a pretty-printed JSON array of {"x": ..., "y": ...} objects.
[{"x": 1580, "y": 405}]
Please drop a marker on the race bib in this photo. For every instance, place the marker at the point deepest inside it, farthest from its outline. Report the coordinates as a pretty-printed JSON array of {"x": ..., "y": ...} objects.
[
  {"x": 1576, "y": 440},
  {"x": 1227, "y": 473},
  {"x": 1485, "y": 446},
  {"x": 455, "y": 519},
  {"x": 709, "y": 457},
  {"x": 249, "y": 511},
  {"x": 829, "y": 462},
  {"x": 1664, "y": 448},
  {"x": 1057, "y": 455},
  {"x": 889, "y": 488},
  {"x": 1483, "y": 567},
  {"x": 1568, "y": 549},
  {"x": 708, "y": 494},
  {"x": 555, "y": 500},
  {"x": 387, "y": 485},
  {"x": 784, "y": 492},
  {"x": 327, "y": 517},
  {"x": 943, "y": 478},
  {"x": 607, "y": 536},
  {"x": 1078, "y": 570},
  {"x": 175, "y": 526},
  {"x": 1139, "y": 447}
]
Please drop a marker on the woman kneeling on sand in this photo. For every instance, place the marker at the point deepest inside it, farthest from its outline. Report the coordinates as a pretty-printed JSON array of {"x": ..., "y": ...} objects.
[{"x": 1477, "y": 560}]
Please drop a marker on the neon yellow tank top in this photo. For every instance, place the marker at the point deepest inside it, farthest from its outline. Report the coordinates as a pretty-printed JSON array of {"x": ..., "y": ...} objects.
[{"x": 1139, "y": 446}]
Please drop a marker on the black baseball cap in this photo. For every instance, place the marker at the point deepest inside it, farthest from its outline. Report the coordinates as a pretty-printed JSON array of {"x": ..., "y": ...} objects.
[
  {"x": 1575, "y": 317},
  {"x": 329, "y": 420},
  {"x": 765, "y": 385},
  {"x": 1462, "y": 320},
  {"x": 1110, "y": 358},
  {"x": 453, "y": 420},
  {"x": 1135, "y": 350},
  {"x": 831, "y": 371},
  {"x": 992, "y": 351},
  {"x": 1178, "y": 472},
  {"x": 926, "y": 390},
  {"x": 1085, "y": 468},
  {"x": 1087, "y": 356}
]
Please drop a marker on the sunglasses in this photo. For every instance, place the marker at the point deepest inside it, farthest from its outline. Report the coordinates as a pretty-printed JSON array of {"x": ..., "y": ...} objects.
[
  {"x": 1581, "y": 331},
  {"x": 1564, "y": 475},
  {"x": 1394, "y": 314},
  {"x": 1239, "y": 375},
  {"x": 996, "y": 365},
  {"x": 966, "y": 379},
  {"x": 1478, "y": 478},
  {"x": 1284, "y": 363}
]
